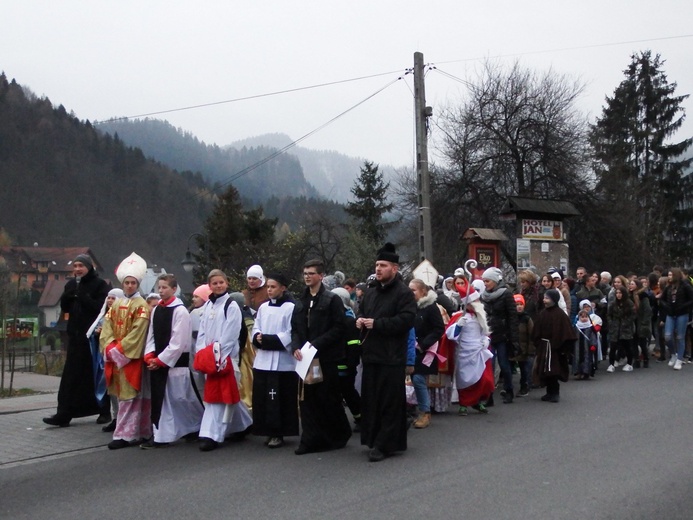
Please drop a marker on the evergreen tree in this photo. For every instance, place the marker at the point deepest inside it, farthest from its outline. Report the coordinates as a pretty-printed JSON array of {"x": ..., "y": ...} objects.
[
  {"x": 357, "y": 254},
  {"x": 640, "y": 173},
  {"x": 370, "y": 204},
  {"x": 237, "y": 238}
]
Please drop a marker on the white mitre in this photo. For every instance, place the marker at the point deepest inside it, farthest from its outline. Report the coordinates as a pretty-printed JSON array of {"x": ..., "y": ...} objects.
[{"x": 134, "y": 265}]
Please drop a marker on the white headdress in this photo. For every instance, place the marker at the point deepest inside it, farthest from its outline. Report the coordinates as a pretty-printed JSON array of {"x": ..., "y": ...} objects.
[{"x": 134, "y": 265}]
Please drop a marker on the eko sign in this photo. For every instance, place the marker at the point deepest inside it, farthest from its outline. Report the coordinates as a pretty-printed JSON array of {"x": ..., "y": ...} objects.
[{"x": 537, "y": 229}]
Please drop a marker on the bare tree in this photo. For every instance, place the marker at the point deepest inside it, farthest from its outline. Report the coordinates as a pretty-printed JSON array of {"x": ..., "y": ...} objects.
[{"x": 518, "y": 133}]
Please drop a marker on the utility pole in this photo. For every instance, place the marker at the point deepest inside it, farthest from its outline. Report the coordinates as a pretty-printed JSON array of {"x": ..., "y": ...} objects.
[{"x": 424, "y": 181}]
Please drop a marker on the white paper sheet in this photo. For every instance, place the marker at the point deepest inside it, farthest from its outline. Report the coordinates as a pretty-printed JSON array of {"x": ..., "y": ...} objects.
[{"x": 308, "y": 352}]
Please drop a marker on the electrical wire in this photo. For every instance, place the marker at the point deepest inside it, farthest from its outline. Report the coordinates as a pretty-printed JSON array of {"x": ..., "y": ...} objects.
[
  {"x": 246, "y": 98},
  {"x": 565, "y": 49},
  {"x": 319, "y": 85},
  {"x": 452, "y": 77},
  {"x": 277, "y": 153},
  {"x": 429, "y": 67}
]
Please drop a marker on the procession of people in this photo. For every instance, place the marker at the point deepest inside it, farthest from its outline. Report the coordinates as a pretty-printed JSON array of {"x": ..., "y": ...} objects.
[{"x": 266, "y": 362}]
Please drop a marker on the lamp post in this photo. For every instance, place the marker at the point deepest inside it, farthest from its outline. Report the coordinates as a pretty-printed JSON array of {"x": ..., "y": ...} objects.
[{"x": 189, "y": 262}]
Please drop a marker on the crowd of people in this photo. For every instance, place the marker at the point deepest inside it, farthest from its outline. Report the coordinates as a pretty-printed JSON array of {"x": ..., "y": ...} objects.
[{"x": 391, "y": 354}]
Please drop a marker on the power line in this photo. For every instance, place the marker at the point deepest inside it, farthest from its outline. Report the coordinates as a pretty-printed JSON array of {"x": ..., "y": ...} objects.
[
  {"x": 246, "y": 98},
  {"x": 450, "y": 76},
  {"x": 430, "y": 67},
  {"x": 565, "y": 49},
  {"x": 277, "y": 153},
  {"x": 359, "y": 78}
]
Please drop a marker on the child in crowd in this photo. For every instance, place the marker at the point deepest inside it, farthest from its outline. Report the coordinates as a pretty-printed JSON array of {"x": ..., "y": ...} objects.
[
  {"x": 586, "y": 346},
  {"x": 153, "y": 300},
  {"x": 525, "y": 355}
]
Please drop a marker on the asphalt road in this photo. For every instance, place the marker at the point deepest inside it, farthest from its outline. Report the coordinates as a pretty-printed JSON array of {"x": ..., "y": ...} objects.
[{"x": 616, "y": 448}]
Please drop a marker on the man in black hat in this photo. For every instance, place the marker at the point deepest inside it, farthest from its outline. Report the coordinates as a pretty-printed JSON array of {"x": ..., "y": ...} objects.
[
  {"x": 81, "y": 302},
  {"x": 387, "y": 315}
]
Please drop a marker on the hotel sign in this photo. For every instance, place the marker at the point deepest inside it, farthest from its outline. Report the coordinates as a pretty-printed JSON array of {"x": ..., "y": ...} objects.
[{"x": 539, "y": 229}]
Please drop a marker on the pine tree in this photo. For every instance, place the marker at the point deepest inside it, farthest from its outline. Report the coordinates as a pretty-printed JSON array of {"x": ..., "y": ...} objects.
[
  {"x": 237, "y": 238},
  {"x": 370, "y": 203},
  {"x": 640, "y": 174}
]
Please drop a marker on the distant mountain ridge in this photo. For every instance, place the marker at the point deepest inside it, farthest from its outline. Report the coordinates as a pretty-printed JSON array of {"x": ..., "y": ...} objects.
[
  {"x": 248, "y": 169},
  {"x": 332, "y": 173},
  {"x": 65, "y": 183}
]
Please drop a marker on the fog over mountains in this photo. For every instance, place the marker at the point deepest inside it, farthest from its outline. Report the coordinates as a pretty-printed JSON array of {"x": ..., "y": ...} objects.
[
  {"x": 330, "y": 172},
  {"x": 300, "y": 171}
]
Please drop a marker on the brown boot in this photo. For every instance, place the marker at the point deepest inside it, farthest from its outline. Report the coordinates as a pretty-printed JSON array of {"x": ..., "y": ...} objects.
[{"x": 423, "y": 421}]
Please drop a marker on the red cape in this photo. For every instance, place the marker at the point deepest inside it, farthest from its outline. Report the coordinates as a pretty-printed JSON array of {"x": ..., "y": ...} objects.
[{"x": 220, "y": 386}]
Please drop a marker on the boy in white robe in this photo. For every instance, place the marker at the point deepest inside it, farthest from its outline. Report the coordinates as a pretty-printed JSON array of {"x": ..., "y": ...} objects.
[
  {"x": 217, "y": 351},
  {"x": 176, "y": 408}
]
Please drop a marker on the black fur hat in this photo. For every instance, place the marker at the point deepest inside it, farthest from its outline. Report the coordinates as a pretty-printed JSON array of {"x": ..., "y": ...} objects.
[{"x": 388, "y": 253}]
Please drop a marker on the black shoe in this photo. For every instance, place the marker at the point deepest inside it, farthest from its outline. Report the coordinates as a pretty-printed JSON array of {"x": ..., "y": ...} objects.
[
  {"x": 118, "y": 444},
  {"x": 240, "y": 436},
  {"x": 151, "y": 444},
  {"x": 546, "y": 397},
  {"x": 646, "y": 363},
  {"x": 636, "y": 364},
  {"x": 104, "y": 418},
  {"x": 508, "y": 397},
  {"x": 191, "y": 437},
  {"x": 207, "y": 444},
  {"x": 375, "y": 455},
  {"x": 302, "y": 449},
  {"x": 524, "y": 391},
  {"x": 57, "y": 420},
  {"x": 110, "y": 427}
]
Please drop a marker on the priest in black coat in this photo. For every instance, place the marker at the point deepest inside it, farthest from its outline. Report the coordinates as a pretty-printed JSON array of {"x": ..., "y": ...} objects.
[{"x": 81, "y": 301}]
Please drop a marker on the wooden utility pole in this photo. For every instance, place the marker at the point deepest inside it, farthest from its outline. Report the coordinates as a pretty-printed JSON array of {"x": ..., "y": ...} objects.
[{"x": 424, "y": 182}]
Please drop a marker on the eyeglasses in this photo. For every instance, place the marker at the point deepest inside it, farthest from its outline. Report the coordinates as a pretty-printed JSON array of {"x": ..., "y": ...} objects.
[{"x": 309, "y": 274}]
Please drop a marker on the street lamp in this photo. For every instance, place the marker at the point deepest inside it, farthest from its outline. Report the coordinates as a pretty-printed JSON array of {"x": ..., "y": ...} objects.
[{"x": 189, "y": 262}]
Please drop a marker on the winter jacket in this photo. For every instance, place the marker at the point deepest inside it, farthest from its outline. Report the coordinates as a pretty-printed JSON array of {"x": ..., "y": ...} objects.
[
  {"x": 502, "y": 315},
  {"x": 679, "y": 303},
  {"x": 621, "y": 322},
  {"x": 429, "y": 327},
  {"x": 393, "y": 308},
  {"x": 531, "y": 296},
  {"x": 526, "y": 347},
  {"x": 321, "y": 321},
  {"x": 643, "y": 318},
  {"x": 83, "y": 302}
]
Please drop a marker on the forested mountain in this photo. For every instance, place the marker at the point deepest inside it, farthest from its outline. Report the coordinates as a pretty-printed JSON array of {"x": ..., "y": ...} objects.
[
  {"x": 332, "y": 173},
  {"x": 66, "y": 184},
  {"x": 282, "y": 175}
]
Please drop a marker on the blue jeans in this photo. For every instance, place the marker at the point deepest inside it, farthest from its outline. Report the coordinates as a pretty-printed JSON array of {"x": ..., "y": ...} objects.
[
  {"x": 526, "y": 371},
  {"x": 421, "y": 391},
  {"x": 676, "y": 325},
  {"x": 501, "y": 353}
]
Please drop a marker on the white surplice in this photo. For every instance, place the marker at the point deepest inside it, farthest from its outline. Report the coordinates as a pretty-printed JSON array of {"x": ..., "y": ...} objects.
[
  {"x": 181, "y": 410},
  {"x": 222, "y": 323}
]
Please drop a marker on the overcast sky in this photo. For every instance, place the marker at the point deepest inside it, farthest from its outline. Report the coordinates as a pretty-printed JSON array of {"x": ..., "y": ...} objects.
[{"x": 126, "y": 58}]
